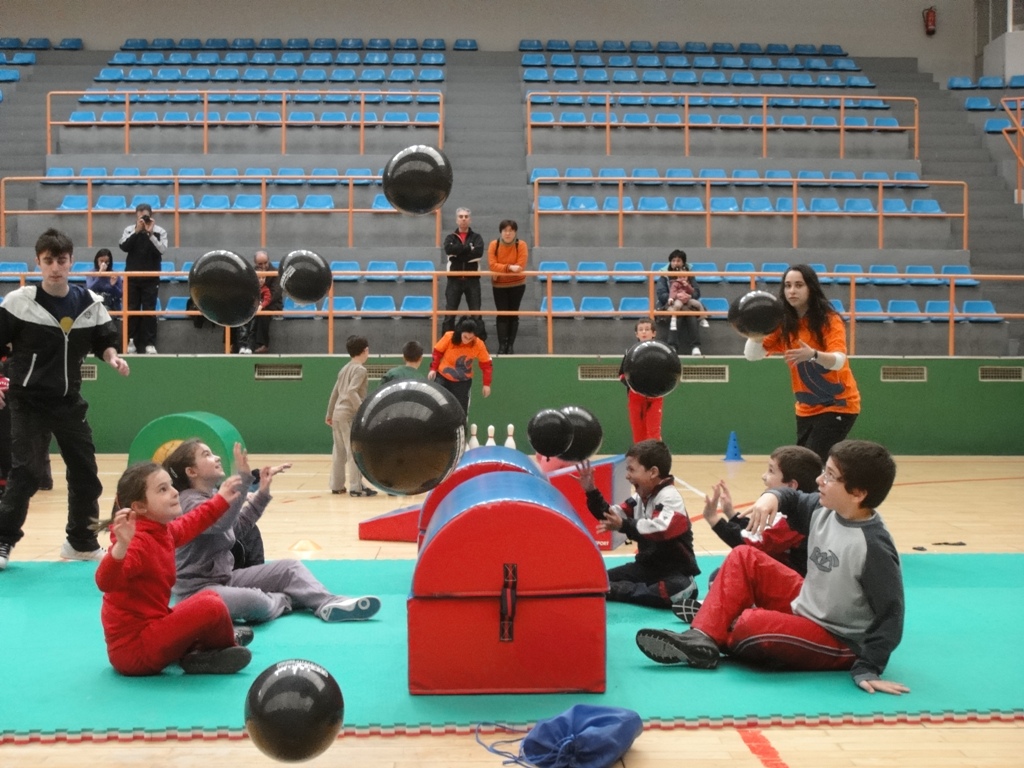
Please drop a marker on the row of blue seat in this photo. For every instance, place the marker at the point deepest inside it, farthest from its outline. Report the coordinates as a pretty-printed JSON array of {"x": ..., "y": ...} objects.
[
  {"x": 40, "y": 44},
  {"x": 697, "y": 119},
  {"x": 164, "y": 175},
  {"x": 670, "y": 46},
  {"x": 241, "y": 202},
  {"x": 680, "y": 61},
  {"x": 296, "y": 118},
  {"x": 875, "y": 274},
  {"x": 263, "y": 75},
  {"x": 982, "y": 104},
  {"x": 725, "y": 205},
  {"x": 376, "y": 96},
  {"x": 566, "y": 75},
  {"x": 864, "y": 310},
  {"x": 724, "y": 100},
  {"x": 738, "y": 177},
  {"x": 293, "y": 44},
  {"x": 269, "y": 58},
  {"x": 994, "y": 82},
  {"x": 20, "y": 59}
]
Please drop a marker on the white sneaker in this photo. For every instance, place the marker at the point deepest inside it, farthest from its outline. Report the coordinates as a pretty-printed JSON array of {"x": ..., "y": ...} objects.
[
  {"x": 150, "y": 349},
  {"x": 244, "y": 351},
  {"x": 349, "y": 608},
  {"x": 704, "y": 323},
  {"x": 695, "y": 352},
  {"x": 131, "y": 348},
  {"x": 5, "y": 553},
  {"x": 67, "y": 552}
]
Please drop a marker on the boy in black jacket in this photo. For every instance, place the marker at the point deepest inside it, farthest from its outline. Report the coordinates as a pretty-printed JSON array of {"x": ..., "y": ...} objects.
[{"x": 50, "y": 329}]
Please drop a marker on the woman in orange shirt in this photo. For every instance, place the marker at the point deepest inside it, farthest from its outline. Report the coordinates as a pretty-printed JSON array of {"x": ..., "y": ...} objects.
[
  {"x": 506, "y": 258},
  {"x": 812, "y": 338}
]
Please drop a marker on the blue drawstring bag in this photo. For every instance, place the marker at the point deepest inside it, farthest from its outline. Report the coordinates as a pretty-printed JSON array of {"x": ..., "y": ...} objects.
[{"x": 584, "y": 736}]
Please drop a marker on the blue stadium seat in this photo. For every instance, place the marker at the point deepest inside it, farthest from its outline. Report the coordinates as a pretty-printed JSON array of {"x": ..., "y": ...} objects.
[
  {"x": 777, "y": 268},
  {"x": 885, "y": 274},
  {"x": 412, "y": 267},
  {"x": 925, "y": 207},
  {"x": 318, "y": 203},
  {"x": 74, "y": 203},
  {"x": 981, "y": 311},
  {"x": 634, "y": 306},
  {"x": 741, "y": 271},
  {"x": 858, "y": 205},
  {"x": 417, "y": 306},
  {"x": 848, "y": 269},
  {"x": 596, "y": 305},
  {"x": 963, "y": 272},
  {"x": 698, "y": 267},
  {"x": 345, "y": 266},
  {"x": 864, "y": 307},
  {"x": 824, "y": 205},
  {"x": 283, "y": 203},
  {"x": 592, "y": 272},
  {"x": 380, "y": 304},
  {"x": 111, "y": 203},
  {"x": 923, "y": 274},
  {"x": 559, "y": 305},
  {"x": 247, "y": 202},
  {"x": 554, "y": 266},
  {"x": 382, "y": 271},
  {"x": 938, "y": 310},
  {"x": 724, "y": 205},
  {"x": 895, "y": 307},
  {"x": 214, "y": 203},
  {"x": 619, "y": 267}
]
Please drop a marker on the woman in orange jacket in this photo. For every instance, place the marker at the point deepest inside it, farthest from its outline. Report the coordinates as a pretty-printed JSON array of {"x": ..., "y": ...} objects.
[{"x": 506, "y": 258}]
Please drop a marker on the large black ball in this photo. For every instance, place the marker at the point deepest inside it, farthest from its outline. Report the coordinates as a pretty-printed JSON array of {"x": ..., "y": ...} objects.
[
  {"x": 757, "y": 312},
  {"x": 294, "y": 710},
  {"x": 305, "y": 276},
  {"x": 549, "y": 432},
  {"x": 418, "y": 179},
  {"x": 408, "y": 436},
  {"x": 651, "y": 368},
  {"x": 225, "y": 288},
  {"x": 586, "y": 434}
]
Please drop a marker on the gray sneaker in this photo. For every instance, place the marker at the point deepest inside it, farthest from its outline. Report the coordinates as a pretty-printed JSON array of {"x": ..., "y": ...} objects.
[
  {"x": 225, "y": 661},
  {"x": 349, "y": 609},
  {"x": 686, "y": 609},
  {"x": 665, "y": 647},
  {"x": 68, "y": 552}
]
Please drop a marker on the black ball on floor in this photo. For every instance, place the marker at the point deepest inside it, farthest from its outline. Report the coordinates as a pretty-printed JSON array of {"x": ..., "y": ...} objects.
[
  {"x": 408, "y": 436},
  {"x": 305, "y": 276},
  {"x": 651, "y": 368},
  {"x": 225, "y": 288},
  {"x": 418, "y": 179},
  {"x": 586, "y": 434},
  {"x": 757, "y": 312},
  {"x": 549, "y": 432},
  {"x": 294, "y": 710}
]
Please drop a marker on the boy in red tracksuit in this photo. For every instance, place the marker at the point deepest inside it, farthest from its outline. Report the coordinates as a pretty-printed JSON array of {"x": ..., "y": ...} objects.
[
  {"x": 644, "y": 412},
  {"x": 142, "y": 632}
]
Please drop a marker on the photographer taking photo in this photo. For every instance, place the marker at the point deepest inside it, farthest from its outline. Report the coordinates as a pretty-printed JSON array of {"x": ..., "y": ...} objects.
[{"x": 144, "y": 243}]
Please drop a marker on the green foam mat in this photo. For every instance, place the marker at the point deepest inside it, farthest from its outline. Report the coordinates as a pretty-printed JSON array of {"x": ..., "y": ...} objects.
[{"x": 962, "y": 630}]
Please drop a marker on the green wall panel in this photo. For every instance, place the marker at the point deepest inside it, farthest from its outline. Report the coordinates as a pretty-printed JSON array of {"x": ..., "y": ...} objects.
[{"x": 951, "y": 413}]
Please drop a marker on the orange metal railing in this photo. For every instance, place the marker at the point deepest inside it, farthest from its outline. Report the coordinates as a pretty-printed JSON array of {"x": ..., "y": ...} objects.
[
  {"x": 951, "y": 318},
  {"x": 174, "y": 183},
  {"x": 56, "y": 103},
  {"x": 689, "y": 101},
  {"x": 877, "y": 218},
  {"x": 1014, "y": 135}
]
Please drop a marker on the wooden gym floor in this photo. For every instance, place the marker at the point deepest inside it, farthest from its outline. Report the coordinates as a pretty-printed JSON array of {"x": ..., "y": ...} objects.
[{"x": 938, "y": 502}]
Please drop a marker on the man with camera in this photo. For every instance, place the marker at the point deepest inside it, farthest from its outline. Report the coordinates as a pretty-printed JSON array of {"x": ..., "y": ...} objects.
[{"x": 144, "y": 243}]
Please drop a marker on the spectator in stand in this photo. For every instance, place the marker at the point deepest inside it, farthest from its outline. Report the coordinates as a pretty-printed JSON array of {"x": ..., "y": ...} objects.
[{"x": 145, "y": 244}]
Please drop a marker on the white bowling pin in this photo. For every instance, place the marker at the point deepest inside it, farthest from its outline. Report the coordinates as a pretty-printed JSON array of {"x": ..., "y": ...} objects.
[
  {"x": 490, "y": 436},
  {"x": 473, "y": 442},
  {"x": 509, "y": 441}
]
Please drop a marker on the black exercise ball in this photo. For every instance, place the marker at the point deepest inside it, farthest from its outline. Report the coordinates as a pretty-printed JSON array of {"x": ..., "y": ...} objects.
[
  {"x": 305, "y": 276},
  {"x": 418, "y": 179},
  {"x": 757, "y": 312},
  {"x": 586, "y": 434},
  {"x": 651, "y": 368},
  {"x": 225, "y": 288},
  {"x": 549, "y": 432},
  {"x": 408, "y": 436},
  {"x": 294, "y": 710}
]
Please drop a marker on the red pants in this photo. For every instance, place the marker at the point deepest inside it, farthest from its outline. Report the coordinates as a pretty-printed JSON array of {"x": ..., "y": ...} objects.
[
  {"x": 645, "y": 416},
  {"x": 768, "y": 634},
  {"x": 200, "y": 622}
]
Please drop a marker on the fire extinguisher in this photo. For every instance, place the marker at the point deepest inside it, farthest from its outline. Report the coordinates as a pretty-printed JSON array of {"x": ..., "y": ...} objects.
[{"x": 929, "y": 20}]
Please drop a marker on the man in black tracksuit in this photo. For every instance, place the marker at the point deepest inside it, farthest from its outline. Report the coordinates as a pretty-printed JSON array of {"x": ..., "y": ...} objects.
[{"x": 463, "y": 248}]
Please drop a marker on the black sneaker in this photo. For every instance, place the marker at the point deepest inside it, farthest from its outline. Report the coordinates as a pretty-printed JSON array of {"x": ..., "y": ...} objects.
[
  {"x": 225, "y": 661},
  {"x": 665, "y": 647},
  {"x": 244, "y": 635},
  {"x": 686, "y": 609},
  {"x": 5, "y": 553}
]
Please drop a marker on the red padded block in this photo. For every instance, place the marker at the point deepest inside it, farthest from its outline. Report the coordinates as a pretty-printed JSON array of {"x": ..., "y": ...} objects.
[
  {"x": 508, "y": 594},
  {"x": 397, "y": 525},
  {"x": 610, "y": 479}
]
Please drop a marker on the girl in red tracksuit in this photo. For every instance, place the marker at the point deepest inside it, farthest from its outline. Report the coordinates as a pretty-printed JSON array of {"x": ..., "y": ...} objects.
[{"x": 142, "y": 632}]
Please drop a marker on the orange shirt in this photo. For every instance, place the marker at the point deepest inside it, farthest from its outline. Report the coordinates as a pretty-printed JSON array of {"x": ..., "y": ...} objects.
[
  {"x": 817, "y": 389},
  {"x": 500, "y": 257},
  {"x": 455, "y": 361}
]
